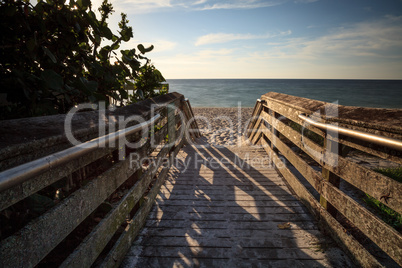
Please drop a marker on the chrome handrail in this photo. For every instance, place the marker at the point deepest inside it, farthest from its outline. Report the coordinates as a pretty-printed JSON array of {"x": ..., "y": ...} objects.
[
  {"x": 373, "y": 138},
  {"x": 24, "y": 172}
]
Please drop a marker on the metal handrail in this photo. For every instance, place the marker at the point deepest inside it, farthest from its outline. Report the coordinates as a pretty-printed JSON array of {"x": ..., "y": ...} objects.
[
  {"x": 373, "y": 138},
  {"x": 24, "y": 172}
]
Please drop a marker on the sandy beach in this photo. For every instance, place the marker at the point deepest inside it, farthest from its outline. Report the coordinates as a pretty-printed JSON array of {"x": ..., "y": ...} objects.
[{"x": 222, "y": 126}]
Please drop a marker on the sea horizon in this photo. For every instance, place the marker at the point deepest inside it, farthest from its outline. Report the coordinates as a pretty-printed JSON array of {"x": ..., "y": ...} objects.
[
  {"x": 232, "y": 92},
  {"x": 357, "y": 79}
]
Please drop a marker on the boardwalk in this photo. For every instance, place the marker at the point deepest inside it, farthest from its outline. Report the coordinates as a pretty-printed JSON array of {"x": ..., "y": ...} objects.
[{"x": 227, "y": 207}]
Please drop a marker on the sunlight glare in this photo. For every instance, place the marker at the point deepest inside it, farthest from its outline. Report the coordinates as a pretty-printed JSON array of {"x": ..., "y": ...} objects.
[{"x": 239, "y": 196}]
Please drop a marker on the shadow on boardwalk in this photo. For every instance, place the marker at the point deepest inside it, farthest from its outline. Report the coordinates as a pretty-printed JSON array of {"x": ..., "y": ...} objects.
[{"x": 222, "y": 207}]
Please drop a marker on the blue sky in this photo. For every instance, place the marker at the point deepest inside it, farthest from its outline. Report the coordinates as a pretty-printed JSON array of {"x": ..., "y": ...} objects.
[{"x": 341, "y": 39}]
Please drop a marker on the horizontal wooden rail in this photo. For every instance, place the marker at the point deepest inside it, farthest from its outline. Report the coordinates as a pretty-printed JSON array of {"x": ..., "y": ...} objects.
[
  {"x": 283, "y": 105},
  {"x": 91, "y": 181},
  {"x": 280, "y": 125},
  {"x": 369, "y": 181}
]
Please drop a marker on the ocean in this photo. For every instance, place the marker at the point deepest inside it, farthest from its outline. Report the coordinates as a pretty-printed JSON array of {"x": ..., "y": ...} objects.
[{"x": 229, "y": 92}]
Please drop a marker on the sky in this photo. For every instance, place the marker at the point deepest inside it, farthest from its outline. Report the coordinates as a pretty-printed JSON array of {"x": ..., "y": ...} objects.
[{"x": 295, "y": 39}]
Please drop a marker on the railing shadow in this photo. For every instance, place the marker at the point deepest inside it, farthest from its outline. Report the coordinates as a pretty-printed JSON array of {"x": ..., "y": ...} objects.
[{"x": 218, "y": 208}]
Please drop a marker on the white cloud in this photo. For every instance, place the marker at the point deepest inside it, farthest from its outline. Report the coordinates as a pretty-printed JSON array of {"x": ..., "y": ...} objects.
[
  {"x": 141, "y": 6},
  {"x": 367, "y": 50},
  {"x": 241, "y": 4},
  {"x": 305, "y": 1},
  {"x": 146, "y": 6},
  {"x": 370, "y": 49},
  {"x": 372, "y": 40},
  {"x": 378, "y": 38},
  {"x": 199, "y": 2},
  {"x": 228, "y": 37}
]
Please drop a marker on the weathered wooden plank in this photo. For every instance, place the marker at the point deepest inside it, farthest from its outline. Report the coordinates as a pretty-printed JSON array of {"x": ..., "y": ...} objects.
[
  {"x": 225, "y": 181},
  {"x": 224, "y": 188},
  {"x": 386, "y": 237},
  {"x": 245, "y": 217},
  {"x": 229, "y": 233},
  {"x": 190, "y": 261},
  {"x": 373, "y": 149},
  {"x": 233, "y": 209},
  {"x": 92, "y": 246},
  {"x": 219, "y": 253},
  {"x": 22, "y": 138},
  {"x": 257, "y": 132},
  {"x": 235, "y": 167},
  {"x": 171, "y": 124},
  {"x": 253, "y": 132},
  {"x": 190, "y": 134},
  {"x": 330, "y": 177},
  {"x": 253, "y": 119},
  {"x": 226, "y": 173},
  {"x": 373, "y": 227},
  {"x": 232, "y": 176},
  {"x": 271, "y": 240},
  {"x": 384, "y": 122},
  {"x": 370, "y": 182},
  {"x": 237, "y": 197},
  {"x": 27, "y": 188},
  {"x": 116, "y": 254},
  {"x": 190, "y": 123},
  {"x": 233, "y": 182},
  {"x": 229, "y": 193},
  {"x": 223, "y": 224},
  {"x": 31, "y": 243},
  {"x": 252, "y": 203},
  {"x": 190, "y": 109},
  {"x": 291, "y": 111},
  {"x": 338, "y": 233},
  {"x": 307, "y": 171}
]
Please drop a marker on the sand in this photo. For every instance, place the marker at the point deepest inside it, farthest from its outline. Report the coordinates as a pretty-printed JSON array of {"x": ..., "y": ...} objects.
[{"x": 223, "y": 126}]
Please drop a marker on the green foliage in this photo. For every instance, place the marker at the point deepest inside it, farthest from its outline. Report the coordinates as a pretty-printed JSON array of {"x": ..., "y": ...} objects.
[
  {"x": 52, "y": 57},
  {"x": 148, "y": 83},
  {"x": 388, "y": 215},
  {"x": 393, "y": 173}
]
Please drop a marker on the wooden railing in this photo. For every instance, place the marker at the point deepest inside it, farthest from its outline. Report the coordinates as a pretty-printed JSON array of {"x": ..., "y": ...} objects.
[
  {"x": 290, "y": 140},
  {"x": 89, "y": 205}
]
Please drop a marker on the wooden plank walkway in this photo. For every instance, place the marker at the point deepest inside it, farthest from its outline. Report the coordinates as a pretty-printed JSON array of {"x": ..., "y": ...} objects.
[{"x": 223, "y": 207}]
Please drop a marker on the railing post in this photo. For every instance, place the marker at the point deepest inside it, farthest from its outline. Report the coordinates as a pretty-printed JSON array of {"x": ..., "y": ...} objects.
[
  {"x": 171, "y": 108},
  {"x": 275, "y": 133},
  {"x": 189, "y": 131},
  {"x": 194, "y": 124},
  {"x": 251, "y": 124},
  {"x": 331, "y": 149}
]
